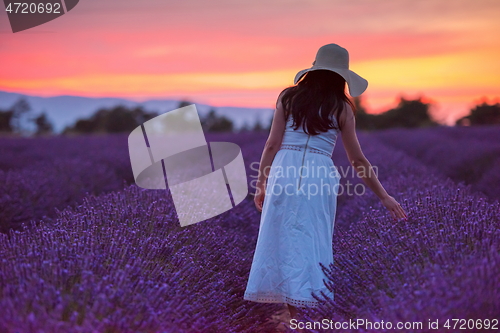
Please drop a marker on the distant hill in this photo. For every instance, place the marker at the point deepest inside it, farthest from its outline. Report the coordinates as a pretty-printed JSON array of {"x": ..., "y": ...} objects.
[{"x": 65, "y": 110}]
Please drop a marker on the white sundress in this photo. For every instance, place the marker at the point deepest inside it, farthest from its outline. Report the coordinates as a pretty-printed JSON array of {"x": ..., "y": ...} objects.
[{"x": 297, "y": 221}]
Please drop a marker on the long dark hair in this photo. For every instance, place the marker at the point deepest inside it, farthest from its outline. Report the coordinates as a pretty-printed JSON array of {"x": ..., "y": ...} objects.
[{"x": 318, "y": 88}]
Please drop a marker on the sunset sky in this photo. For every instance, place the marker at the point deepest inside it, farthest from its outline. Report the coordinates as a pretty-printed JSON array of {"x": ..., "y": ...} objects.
[{"x": 243, "y": 53}]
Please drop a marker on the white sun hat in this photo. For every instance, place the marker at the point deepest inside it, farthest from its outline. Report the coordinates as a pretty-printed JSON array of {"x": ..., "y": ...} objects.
[{"x": 336, "y": 59}]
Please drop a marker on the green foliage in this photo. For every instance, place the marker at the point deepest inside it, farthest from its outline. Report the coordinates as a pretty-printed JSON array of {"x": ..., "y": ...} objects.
[
  {"x": 245, "y": 128},
  {"x": 43, "y": 125},
  {"x": 111, "y": 120},
  {"x": 212, "y": 122},
  {"x": 122, "y": 119},
  {"x": 215, "y": 123},
  {"x": 407, "y": 114},
  {"x": 10, "y": 119},
  {"x": 482, "y": 114},
  {"x": 258, "y": 127},
  {"x": 184, "y": 103},
  {"x": 363, "y": 119},
  {"x": 5, "y": 119}
]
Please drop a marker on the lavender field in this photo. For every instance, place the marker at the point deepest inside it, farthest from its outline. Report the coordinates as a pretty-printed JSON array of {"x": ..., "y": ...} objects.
[{"x": 83, "y": 249}]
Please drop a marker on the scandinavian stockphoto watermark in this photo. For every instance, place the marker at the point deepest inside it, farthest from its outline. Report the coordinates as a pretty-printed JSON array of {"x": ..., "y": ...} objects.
[
  {"x": 205, "y": 178},
  {"x": 28, "y": 14},
  {"x": 310, "y": 179}
]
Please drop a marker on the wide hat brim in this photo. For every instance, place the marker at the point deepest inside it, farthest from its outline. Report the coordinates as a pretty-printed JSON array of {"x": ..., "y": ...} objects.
[{"x": 357, "y": 85}]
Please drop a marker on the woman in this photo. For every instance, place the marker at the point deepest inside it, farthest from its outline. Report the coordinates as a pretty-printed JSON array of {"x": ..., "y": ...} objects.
[{"x": 298, "y": 197}]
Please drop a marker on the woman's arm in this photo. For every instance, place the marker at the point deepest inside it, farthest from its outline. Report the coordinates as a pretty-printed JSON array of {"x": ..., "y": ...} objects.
[
  {"x": 362, "y": 165},
  {"x": 271, "y": 147}
]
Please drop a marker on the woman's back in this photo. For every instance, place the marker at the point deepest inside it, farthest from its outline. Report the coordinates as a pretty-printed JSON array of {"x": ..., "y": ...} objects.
[
  {"x": 297, "y": 220},
  {"x": 323, "y": 142}
]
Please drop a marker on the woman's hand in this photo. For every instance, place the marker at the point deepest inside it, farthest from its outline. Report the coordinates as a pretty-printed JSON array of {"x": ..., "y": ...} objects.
[
  {"x": 258, "y": 199},
  {"x": 394, "y": 208}
]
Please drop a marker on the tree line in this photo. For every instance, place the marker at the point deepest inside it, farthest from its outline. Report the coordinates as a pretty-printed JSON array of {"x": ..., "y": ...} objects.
[
  {"x": 11, "y": 119},
  {"x": 122, "y": 119},
  {"x": 408, "y": 113}
]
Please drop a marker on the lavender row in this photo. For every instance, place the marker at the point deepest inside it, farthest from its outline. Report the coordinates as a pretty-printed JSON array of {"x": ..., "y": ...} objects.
[
  {"x": 54, "y": 172},
  {"x": 121, "y": 263},
  {"x": 39, "y": 175},
  {"x": 470, "y": 155},
  {"x": 442, "y": 263},
  {"x": 17, "y": 153}
]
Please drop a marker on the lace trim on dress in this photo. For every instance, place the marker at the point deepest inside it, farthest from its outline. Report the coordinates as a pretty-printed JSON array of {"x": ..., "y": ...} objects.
[
  {"x": 272, "y": 297},
  {"x": 311, "y": 150}
]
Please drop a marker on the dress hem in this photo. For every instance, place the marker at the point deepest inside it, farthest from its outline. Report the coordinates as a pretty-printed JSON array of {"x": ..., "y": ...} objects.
[{"x": 278, "y": 298}]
